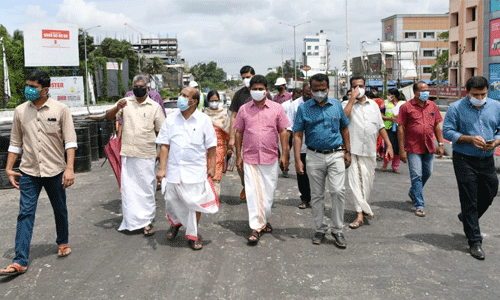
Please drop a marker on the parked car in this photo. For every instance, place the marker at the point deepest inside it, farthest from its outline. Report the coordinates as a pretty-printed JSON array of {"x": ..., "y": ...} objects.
[{"x": 170, "y": 105}]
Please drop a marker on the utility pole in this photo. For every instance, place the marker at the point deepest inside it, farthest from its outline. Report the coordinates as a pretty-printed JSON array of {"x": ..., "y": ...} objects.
[
  {"x": 460, "y": 52},
  {"x": 294, "y": 50},
  {"x": 85, "y": 34},
  {"x": 6, "y": 81},
  {"x": 348, "y": 67}
]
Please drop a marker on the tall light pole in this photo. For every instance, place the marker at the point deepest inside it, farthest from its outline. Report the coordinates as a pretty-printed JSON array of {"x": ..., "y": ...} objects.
[
  {"x": 348, "y": 65},
  {"x": 85, "y": 34},
  {"x": 294, "y": 50}
]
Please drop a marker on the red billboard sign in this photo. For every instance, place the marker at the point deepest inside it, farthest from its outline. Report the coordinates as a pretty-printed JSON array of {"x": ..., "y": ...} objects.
[
  {"x": 447, "y": 91},
  {"x": 52, "y": 34}
]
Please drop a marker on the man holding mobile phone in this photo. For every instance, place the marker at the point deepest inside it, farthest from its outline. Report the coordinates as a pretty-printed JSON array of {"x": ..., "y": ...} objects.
[{"x": 473, "y": 125}]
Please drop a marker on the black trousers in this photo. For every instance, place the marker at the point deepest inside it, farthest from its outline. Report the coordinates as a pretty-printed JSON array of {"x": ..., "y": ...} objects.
[
  {"x": 303, "y": 182},
  {"x": 477, "y": 186}
]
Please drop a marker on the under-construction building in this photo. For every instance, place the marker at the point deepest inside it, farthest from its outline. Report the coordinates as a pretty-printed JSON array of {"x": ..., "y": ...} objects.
[{"x": 165, "y": 48}]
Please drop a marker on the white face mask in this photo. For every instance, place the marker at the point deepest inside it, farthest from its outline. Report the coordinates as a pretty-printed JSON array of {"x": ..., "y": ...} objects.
[
  {"x": 213, "y": 104},
  {"x": 258, "y": 95},
  {"x": 361, "y": 93},
  {"x": 246, "y": 81},
  {"x": 320, "y": 96},
  {"x": 477, "y": 102}
]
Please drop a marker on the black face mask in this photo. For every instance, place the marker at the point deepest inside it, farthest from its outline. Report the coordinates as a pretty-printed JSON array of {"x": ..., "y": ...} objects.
[
  {"x": 280, "y": 88},
  {"x": 140, "y": 92}
]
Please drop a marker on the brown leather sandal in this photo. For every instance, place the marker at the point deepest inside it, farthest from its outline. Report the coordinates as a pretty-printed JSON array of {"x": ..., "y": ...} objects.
[
  {"x": 356, "y": 224},
  {"x": 268, "y": 228},
  {"x": 18, "y": 270},
  {"x": 195, "y": 245},
  {"x": 172, "y": 232},
  {"x": 63, "y": 250},
  {"x": 254, "y": 237}
]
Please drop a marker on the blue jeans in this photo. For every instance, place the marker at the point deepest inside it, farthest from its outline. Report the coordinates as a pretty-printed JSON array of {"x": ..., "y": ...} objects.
[
  {"x": 30, "y": 191},
  {"x": 420, "y": 166}
]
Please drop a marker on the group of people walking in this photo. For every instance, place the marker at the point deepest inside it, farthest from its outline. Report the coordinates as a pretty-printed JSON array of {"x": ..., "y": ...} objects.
[{"x": 187, "y": 153}]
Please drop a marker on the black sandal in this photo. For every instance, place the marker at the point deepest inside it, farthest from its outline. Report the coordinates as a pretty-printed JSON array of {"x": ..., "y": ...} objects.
[
  {"x": 195, "y": 245},
  {"x": 268, "y": 228},
  {"x": 172, "y": 232},
  {"x": 254, "y": 237},
  {"x": 148, "y": 232},
  {"x": 304, "y": 205}
]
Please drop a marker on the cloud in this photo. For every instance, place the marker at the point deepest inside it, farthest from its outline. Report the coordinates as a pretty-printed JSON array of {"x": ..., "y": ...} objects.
[
  {"x": 87, "y": 14},
  {"x": 35, "y": 12}
]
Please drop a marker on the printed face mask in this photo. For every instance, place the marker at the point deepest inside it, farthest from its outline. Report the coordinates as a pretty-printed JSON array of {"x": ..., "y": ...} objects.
[
  {"x": 424, "y": 95},
  {"x": 31, "y": 93},
  {"x": 182, "y": 103},
  {"x": 258, "y": 95}
]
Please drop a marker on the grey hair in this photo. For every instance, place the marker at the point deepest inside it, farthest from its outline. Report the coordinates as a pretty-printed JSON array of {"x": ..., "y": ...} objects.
[{"x": 139, "y": 78}]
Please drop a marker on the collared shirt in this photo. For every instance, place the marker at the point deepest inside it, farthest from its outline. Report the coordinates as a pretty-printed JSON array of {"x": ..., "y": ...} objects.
[
  {"x": 291, "y": 108},
  {"x": 322, "y": 125},
  {"x": 189, "y": 140},
  {"x": 462, "y": 118},
  {"x": 141, "y": 121},
  {"x": 364, "y": 125},
  {"x": 260, "y": 127},
  {"x": 42, "y": 134},
  {"x": 282, "y": 98},
  {"x": 419, "y": 123}
]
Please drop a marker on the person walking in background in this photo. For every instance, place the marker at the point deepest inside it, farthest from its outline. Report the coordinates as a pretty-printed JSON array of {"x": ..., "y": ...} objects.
[
  {"x": 185, "y": 140},
  {"x": 142, "y": 120},
  {"x": 365, "y": 125},
  {"x": 324, "y": 124},
  {"x": 419, "y": 122},
  {"x": 390, "y": 117},
  {"x": 258, "y": 125},
  {"x": 221, "y": 123},
  {"x": 282, "y": 95},
  {"x": 473, "y": 126},
  {"x": 43, "y": 131},
  {"x": 195, "y": 85}
]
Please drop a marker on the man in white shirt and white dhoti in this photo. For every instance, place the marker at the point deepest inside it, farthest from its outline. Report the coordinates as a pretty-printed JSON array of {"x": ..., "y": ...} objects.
[
  {"x": 142, "y": 120},
  {"x": 185, "y": 139}
]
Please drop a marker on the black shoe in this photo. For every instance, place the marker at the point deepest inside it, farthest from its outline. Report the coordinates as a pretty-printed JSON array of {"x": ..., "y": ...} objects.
[
  {"x": 318, "y": 238},
  {"x": 477, "y": 252},
  {"x": 413, "y": 200},
  {"x": 460, "y": 217},
  {"x": 285, "y": 174},
  {"x": 340, "y": 240}
]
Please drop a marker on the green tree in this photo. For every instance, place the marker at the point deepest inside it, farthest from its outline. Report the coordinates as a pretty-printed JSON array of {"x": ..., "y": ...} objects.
[
  {"x": 271, "y": 79},
  {"x": 209, "y": 76},
  {"x": 112, "y": 48},
  {"x": 439, "y": 69}
]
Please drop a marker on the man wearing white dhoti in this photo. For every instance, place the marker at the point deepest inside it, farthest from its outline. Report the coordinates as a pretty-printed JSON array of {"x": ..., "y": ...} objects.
[
  {"x": 257, "y": 125},
  {"x": 365, "y": 124},
  {"x": 186, "y": 180},
  {"x": 142, "y": 120}
]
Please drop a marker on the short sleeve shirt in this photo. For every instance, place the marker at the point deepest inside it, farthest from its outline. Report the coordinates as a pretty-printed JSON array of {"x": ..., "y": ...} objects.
[{"x": 419, "y": 123}]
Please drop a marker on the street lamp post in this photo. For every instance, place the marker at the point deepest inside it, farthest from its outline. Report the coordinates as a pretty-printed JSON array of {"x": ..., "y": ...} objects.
[
  {"x": 85, "y": 34},
  {"x": 294, "y": 50}
]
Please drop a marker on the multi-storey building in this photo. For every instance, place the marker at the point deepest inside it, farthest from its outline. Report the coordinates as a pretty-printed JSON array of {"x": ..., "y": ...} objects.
[
  {"x": 424, "y": 29},
  {"x": 316, "y": 53}
]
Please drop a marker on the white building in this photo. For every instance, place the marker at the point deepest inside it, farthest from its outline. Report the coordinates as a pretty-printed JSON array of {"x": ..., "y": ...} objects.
[{"x": 316, "y": 53}]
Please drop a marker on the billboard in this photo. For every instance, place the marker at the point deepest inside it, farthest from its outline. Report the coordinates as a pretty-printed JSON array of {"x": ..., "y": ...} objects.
[
  {"x": 494, "y": 5},
  {"x": 494, "y": 92},
  {"x": 495, "y": 37},
  {"x": 51, "y": 45},
  {"x": 68, "y": 90}
]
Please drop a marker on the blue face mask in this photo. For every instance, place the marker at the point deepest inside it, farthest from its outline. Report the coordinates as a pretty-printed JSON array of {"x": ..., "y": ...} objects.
[
  {"x": 31, "y": 93},
  {"x": 424, "y": 96},
  {"x": 182, "y": 103}
]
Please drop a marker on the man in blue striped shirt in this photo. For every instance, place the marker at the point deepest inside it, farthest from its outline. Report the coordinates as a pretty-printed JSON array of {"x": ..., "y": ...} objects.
[{"x": 473, "y": 126}]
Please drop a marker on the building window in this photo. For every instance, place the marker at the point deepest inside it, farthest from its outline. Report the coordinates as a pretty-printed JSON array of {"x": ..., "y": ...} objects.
[
  {"x": 316, "y": 53},
  {"x": 470, "y": 72},
  {"x": 454, "y": 19},
  {"x": 454, "y": 47},
  {"x": 309, "y": 53},
  {"x": 428, "y": 53},
  {"x": 426, "y": 70},
  {"x": 471, "y": 14},
  {"x": 316, "y": 47},
  {"x": 308, "y": 47},
  {"x": 410, "y": 35},
  {"x": 429, "y": 35},
  {"x": 470, "y": 45}
]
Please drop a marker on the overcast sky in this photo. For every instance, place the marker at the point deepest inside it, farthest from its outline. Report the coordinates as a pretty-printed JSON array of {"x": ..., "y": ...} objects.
[{"x": 232, "y": 33}]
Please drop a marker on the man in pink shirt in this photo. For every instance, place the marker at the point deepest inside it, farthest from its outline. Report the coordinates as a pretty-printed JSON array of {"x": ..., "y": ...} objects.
[{"x": 258, "y": 124}]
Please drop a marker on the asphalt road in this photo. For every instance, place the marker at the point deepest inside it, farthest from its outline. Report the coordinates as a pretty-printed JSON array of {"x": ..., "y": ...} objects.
[{"x": 396, "y": 256}]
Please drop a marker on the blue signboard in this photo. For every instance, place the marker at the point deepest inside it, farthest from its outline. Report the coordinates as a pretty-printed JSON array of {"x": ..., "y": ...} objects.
[
  {"x": 494, "y": 92},
  {"x": 494, "y": 5}
]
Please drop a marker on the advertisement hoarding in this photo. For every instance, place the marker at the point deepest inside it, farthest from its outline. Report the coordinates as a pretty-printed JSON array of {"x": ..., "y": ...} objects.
[
  {"x": 68, "y": 90},
  {"x": 494, "y": 92},
  {"x": 447, "y": 91},
  {"x": 495, "y": 37},
  {"x": 51, "y": 45},
  {"x": 494, "y": 5}
]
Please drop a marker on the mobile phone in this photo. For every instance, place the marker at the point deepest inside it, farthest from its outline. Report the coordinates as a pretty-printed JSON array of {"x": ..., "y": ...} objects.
[{"x": 490, "y": 141}]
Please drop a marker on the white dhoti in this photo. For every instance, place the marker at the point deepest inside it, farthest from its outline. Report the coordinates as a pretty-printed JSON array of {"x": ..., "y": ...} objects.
[
  {"x": 361, "y": 174},
  {"x": 260, "y": 184},
  {"x": 138, "y": 182},
  {"x": 183, "y": 200}
]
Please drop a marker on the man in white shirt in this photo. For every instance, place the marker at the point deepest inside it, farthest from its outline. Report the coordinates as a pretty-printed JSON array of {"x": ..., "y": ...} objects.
[
  {"x": 142, "y": 119},
  {"x": 185, "y": 138},
  {"x": 365, "y": 124}
]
